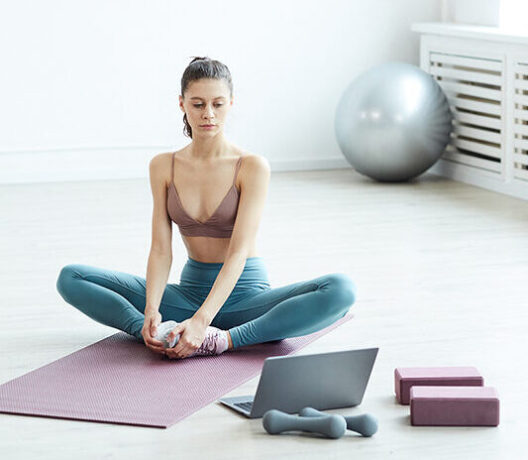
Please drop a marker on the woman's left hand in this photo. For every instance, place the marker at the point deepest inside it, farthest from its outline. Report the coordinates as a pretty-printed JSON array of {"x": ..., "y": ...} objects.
[{"x": 192, "y": 335}]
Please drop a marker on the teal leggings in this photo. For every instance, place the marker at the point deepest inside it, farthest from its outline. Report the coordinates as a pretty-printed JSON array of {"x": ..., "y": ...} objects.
[{"x": 253, "y": 313}]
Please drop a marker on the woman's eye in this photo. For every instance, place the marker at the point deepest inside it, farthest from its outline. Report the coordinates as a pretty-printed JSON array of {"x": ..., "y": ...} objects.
[{"x": 200, "y": 105}]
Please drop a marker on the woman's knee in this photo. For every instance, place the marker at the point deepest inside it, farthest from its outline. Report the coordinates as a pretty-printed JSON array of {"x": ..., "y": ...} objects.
[
  {"x": 342, "y": 290},
  {"x": 66, "y": 278}
]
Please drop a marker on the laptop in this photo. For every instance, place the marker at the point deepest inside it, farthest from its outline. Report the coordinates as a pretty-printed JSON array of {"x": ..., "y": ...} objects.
[{"x": 322, "y": 381}]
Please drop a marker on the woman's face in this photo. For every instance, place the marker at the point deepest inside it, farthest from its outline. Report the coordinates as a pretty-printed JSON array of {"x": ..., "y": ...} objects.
[{"x": 206, "y": 102}]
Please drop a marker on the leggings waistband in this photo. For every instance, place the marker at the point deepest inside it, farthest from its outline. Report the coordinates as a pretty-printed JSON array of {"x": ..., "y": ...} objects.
[
  {"x": 203, "y": 274},
  {"x": 250, "y": 262}
]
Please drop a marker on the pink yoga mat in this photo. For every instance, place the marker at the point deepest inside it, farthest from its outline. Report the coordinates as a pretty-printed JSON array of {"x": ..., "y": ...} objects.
[{"x": 120, "y": 380}]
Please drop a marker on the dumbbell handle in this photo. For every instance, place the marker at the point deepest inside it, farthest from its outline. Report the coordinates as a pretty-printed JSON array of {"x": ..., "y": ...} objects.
[
  {"x": 276, "y": 421},
  {"x": 365, "y": 424}
]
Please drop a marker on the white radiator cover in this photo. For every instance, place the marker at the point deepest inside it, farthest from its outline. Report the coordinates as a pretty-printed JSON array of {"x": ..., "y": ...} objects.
[{"x": 484, "y": 73}]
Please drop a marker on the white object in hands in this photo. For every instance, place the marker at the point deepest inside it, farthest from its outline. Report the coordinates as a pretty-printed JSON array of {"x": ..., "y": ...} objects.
[{"x": 163, "y": 330}]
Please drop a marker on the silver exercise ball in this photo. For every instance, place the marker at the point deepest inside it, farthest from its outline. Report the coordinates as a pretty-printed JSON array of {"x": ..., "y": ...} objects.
[{"x": 393, "y": 122}]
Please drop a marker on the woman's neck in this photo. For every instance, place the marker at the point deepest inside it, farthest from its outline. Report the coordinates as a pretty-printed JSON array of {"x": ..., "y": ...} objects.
[{"x": 209, "y": 148}]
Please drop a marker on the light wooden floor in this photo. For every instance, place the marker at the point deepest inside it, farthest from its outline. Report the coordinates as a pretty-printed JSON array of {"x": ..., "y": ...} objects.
[{"x": 441, "y": 270}]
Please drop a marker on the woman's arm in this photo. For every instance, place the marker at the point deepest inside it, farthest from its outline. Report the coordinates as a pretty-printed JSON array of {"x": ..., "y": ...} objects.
[
  {"x": 158, "y": 269},
  {"x": 254, "y": 181},
  {"x": 160, "y": 257}
]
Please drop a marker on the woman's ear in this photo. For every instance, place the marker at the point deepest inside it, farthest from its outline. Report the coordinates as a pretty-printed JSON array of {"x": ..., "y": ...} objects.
[{"x": 181, "y": 103}]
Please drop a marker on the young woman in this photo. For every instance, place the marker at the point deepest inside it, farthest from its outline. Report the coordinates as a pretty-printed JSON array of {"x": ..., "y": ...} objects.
[{"x": 215, "y": 193}]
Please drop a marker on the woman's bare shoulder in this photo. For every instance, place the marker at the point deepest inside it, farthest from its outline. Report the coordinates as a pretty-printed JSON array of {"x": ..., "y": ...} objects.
[
  {"x": 164, "y": 160},
  {"x": 161, "y": 166},
  {"x": 254, "y": 162},
  {"x": 164, "y": 157},
  {"x": 253, "y": 167}
]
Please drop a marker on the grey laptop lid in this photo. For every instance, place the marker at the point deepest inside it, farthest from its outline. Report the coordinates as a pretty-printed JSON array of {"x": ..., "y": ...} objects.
[{"x": 322, "y": 381}]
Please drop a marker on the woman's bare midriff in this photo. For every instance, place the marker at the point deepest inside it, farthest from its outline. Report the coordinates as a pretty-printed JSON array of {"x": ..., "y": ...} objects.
[{"x": 207, "y": 249}]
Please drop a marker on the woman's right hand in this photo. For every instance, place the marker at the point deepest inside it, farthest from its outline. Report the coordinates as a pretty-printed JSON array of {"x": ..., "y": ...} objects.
[{"x": 152, "y": 320}]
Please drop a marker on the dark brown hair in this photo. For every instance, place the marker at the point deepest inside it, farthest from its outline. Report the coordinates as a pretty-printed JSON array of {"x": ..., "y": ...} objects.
[{"x": 203, "y": 67}]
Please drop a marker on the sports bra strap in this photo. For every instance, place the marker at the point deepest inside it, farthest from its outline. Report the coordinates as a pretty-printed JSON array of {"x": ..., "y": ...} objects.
[{"x": 239, "y": 162}]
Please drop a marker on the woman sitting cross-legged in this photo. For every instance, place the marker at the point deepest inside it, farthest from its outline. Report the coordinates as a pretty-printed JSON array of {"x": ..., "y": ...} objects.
[{"x": 216, "y": 194}]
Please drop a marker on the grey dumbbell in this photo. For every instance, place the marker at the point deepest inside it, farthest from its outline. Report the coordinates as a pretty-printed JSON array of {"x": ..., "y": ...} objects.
[
  {"x": 365, "y": 424},
  {"x": 275, "y": 421}
]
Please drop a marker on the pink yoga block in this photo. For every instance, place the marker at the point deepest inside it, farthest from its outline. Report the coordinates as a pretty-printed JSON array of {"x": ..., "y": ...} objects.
[
  {"x": 454, "y": 406},
  {"x": 406, "y": 377}
]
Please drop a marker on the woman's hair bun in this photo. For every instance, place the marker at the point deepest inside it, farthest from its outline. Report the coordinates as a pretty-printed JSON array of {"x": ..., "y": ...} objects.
[{"x": 198, "y": 58}]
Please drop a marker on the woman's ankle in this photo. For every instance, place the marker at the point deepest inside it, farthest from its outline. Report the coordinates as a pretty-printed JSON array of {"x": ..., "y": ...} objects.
[{"x": 229, "y": 341}]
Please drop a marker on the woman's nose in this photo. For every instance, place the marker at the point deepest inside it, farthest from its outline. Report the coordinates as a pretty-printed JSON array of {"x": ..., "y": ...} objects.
[{"x": 209, "y": 111}]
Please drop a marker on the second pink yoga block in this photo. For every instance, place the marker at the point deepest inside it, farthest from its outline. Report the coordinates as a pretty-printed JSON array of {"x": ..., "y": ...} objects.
[
  {"x": 406, "y": 377},
  {"x": 454, "y": 406}
]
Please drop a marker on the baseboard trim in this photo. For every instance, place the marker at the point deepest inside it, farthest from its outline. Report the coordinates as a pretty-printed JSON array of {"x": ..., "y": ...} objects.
[
  {"x": 517, "y": 188},
  {"x": 21, "y": 167}
]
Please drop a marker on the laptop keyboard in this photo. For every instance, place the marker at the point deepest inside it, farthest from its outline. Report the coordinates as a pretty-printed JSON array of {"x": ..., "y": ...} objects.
[{"x": 245, "y": 405}]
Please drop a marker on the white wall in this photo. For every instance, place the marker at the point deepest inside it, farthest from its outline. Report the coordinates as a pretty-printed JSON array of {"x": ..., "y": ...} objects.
[
  {"x": 478, "y": 12},
  {"x": 89, "y": 89},
  {"x": 511, "y": 15}
]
